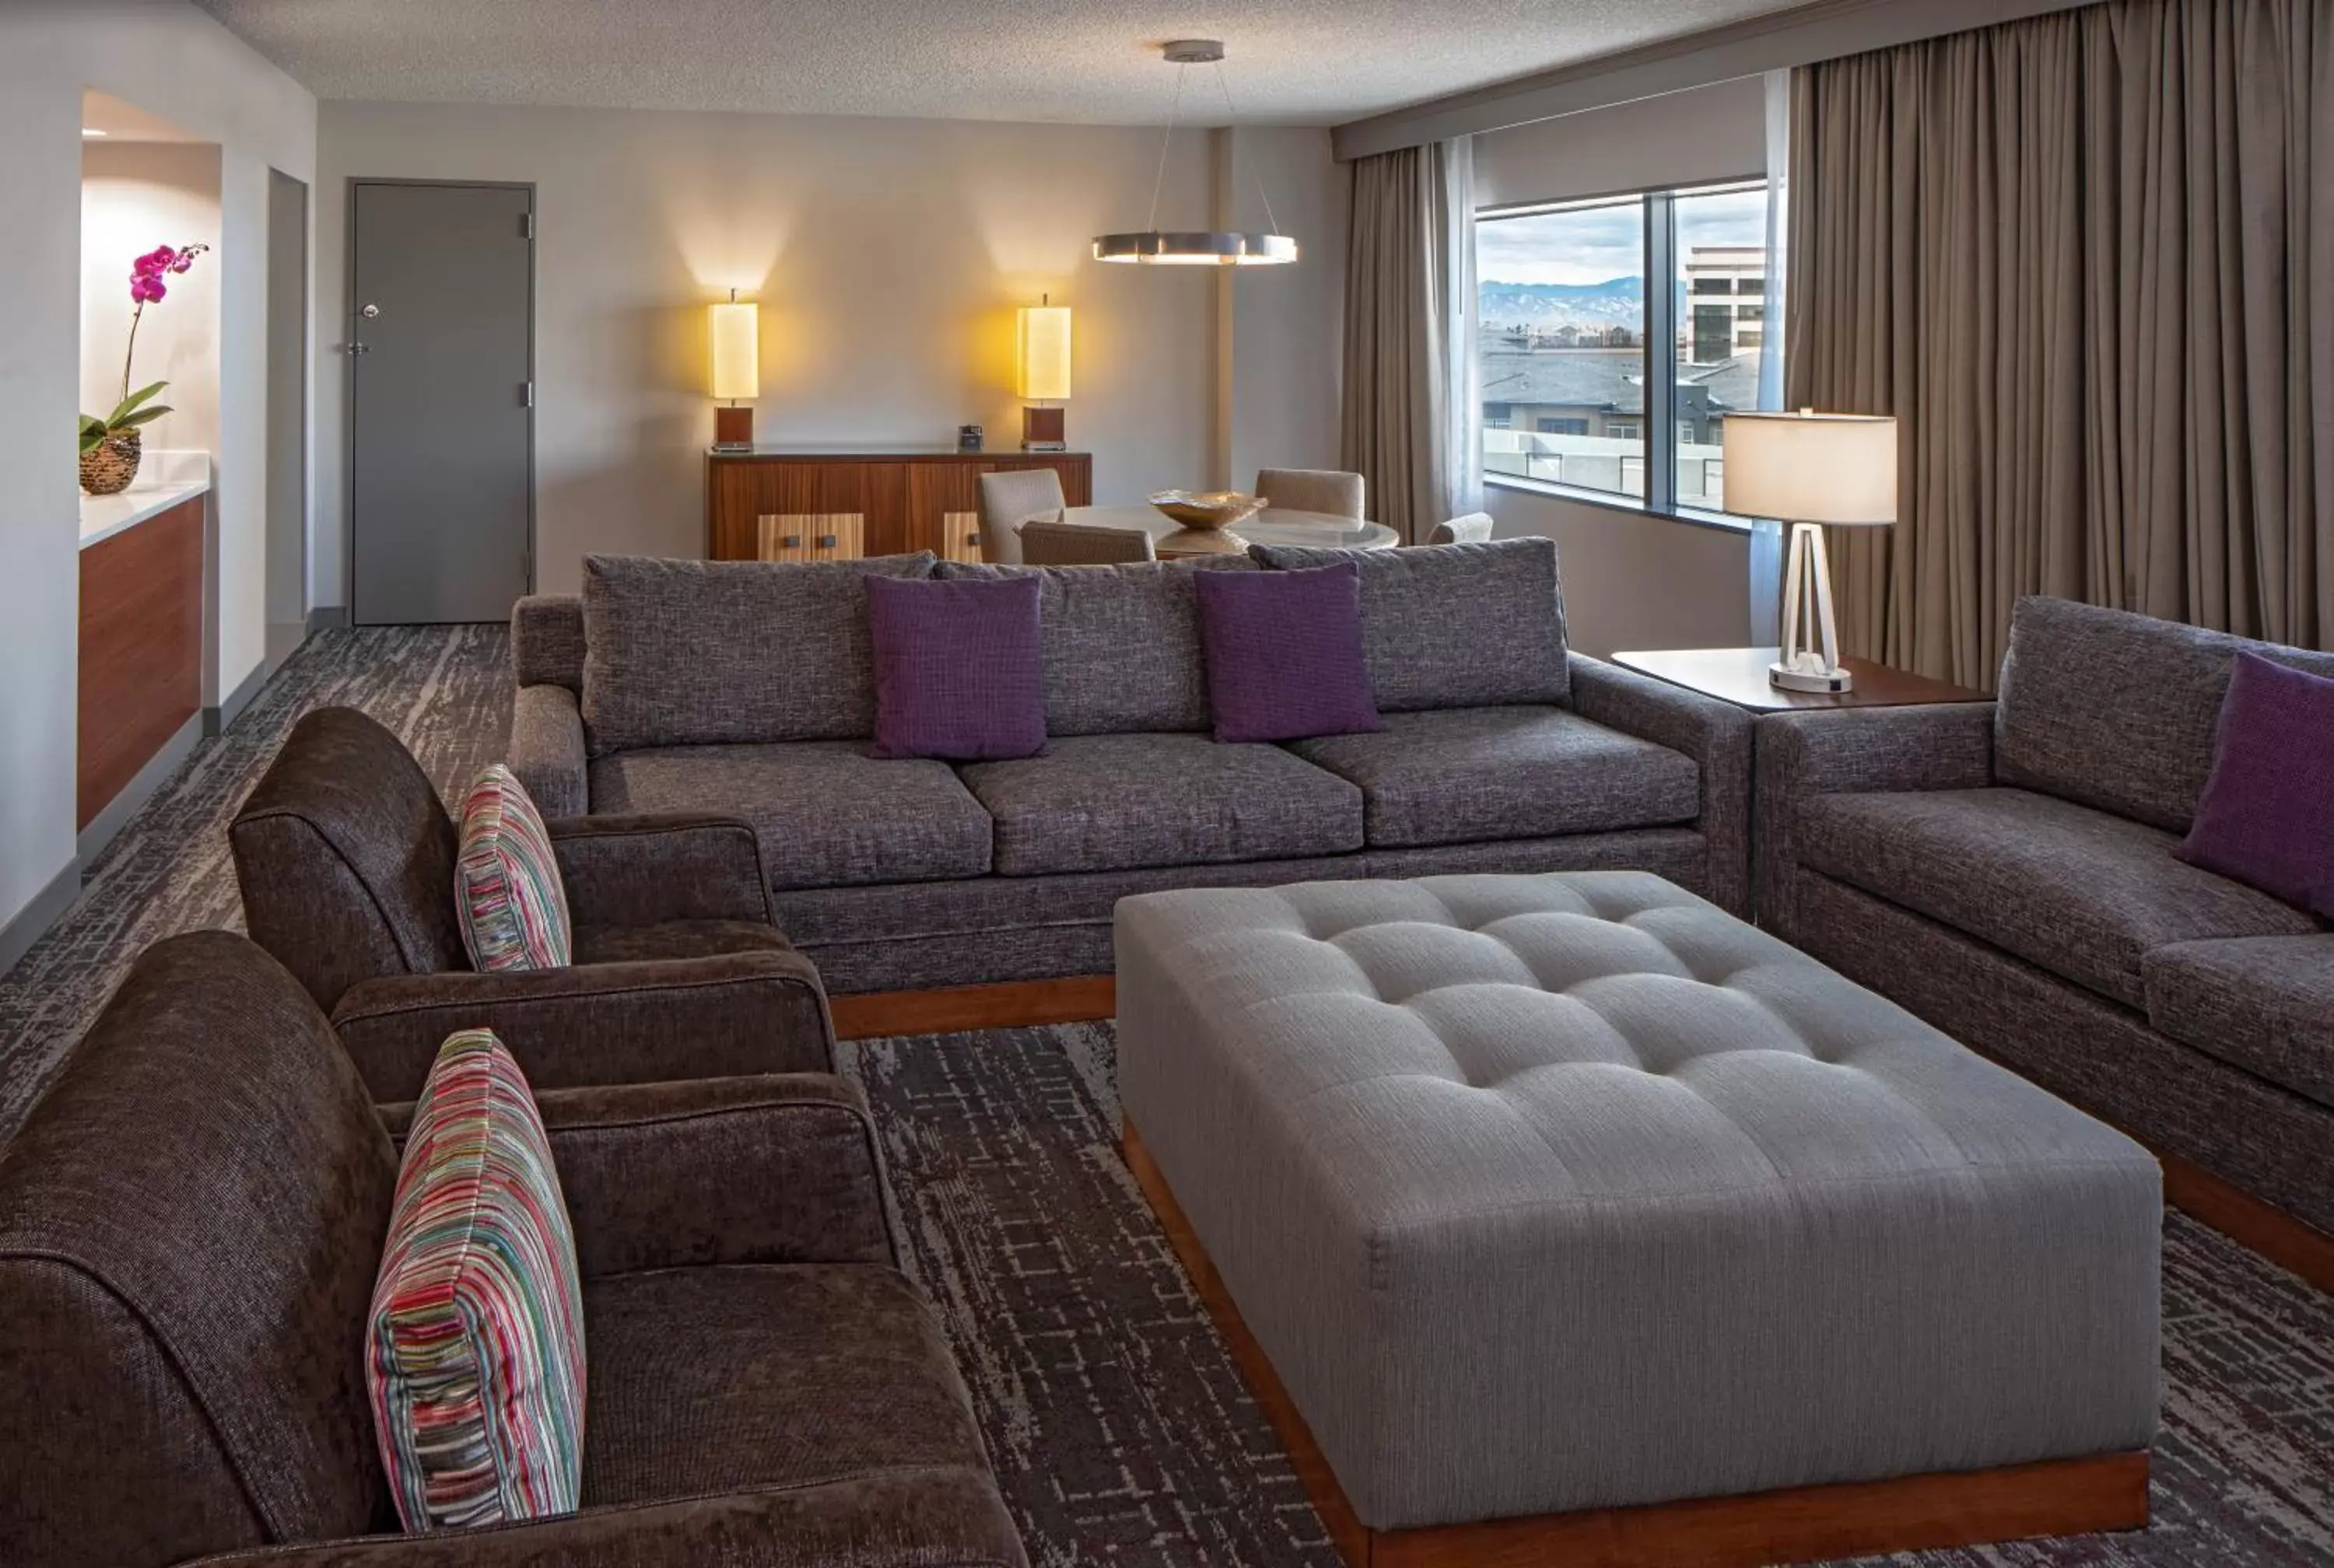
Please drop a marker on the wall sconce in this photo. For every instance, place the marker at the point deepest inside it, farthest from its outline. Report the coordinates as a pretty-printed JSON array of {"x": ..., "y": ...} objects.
[
  {"x": 737, "y": 371},
  {"x": 1045, "y": 374}
]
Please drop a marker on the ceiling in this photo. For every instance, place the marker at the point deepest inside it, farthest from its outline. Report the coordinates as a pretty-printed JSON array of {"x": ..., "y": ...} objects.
[{"x": 1089, "y": 61}]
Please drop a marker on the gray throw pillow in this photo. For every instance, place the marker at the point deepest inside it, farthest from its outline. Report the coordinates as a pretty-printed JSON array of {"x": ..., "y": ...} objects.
[
  {"x": 1455, "y": 625},
  {"x": 704, "y": 652}
]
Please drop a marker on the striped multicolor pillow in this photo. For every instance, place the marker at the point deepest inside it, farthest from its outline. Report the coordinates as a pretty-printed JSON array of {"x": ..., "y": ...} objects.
[
  {"x": 476, "y": 1354},
  {"x": 513, "y": 908}
]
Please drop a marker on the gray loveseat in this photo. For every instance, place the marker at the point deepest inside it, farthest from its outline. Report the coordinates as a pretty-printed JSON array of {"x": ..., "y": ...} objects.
[
  {"x": 748, "y": 688},
  {"x": 2006, "y": 870}
]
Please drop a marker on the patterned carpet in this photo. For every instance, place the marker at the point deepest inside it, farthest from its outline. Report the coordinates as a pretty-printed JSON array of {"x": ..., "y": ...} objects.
[{"x": 1121, "y": 1430}]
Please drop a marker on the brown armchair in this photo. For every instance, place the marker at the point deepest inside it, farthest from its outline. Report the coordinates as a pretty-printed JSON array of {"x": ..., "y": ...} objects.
[
  {"x": 190, "y": 1221},
  {"x": 346, "y": 859}
]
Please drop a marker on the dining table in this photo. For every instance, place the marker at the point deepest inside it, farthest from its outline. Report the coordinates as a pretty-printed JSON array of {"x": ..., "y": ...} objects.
[{"x": 1273, "y": 525}]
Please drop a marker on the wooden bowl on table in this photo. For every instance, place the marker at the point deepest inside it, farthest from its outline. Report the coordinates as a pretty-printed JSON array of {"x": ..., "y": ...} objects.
[{"x": 1207, "y": 517}]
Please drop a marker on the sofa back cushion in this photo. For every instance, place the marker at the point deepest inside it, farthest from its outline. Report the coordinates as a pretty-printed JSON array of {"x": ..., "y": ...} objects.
[
  {"x": 1122, "y": 643},
  {"x": 2116, "y": 710},
  {"x": 704, "y": 652},
  {"x": 1455, "y": 625},
  {"x": 189, "y": 1223},
  {"x": 345, "y": 858}
]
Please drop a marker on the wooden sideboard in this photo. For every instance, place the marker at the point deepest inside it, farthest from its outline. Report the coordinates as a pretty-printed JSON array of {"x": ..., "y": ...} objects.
[
  {"x": 783, "y": 504},
  {"x": 141, "y": 648}
]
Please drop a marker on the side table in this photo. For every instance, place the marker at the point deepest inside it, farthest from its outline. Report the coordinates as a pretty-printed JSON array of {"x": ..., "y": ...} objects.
[{"x": 1739, "y": 676}]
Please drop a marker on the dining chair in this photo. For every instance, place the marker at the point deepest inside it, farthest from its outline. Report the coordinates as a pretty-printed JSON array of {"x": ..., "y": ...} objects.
[
  {"x": 1045, "y": 544},
  {"x": 1323, "y": 490},
  {"x": 1009, "y": 498},
  {"x": 1472, "y": 529}
]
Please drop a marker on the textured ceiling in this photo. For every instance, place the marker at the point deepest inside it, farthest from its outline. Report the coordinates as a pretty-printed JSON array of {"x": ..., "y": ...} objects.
[{"x": 1093, "y": 62}]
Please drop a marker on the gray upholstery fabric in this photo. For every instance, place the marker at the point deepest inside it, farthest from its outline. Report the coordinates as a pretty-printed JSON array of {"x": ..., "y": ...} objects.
[
  {"x": 1547, "y": 1193},
  {"x": 1048, "y": 543},
  {"x": 1715, "y": 734},
  {"x": 825, "y": 812},
  {"x": 694, "y": 652},
  {"x": 1102, "y": 803},
  {"x": 547, "y": 750},
  {"x": 2118, "y": 710},
  {"x": 1330, "y": 491},
  {"x": 547, "y": 640},
  {"x": 1850, "y": 751},
  {"x": 2265, "y": 1005},
  {"x": 2085, "y": 894},
  {"x": 1455, "y": 625},
  {"x": 1464, "y": 774},
  {"x": 1009, "y": 498},
  {"x": 2100, "y": 1055},
  {"x": 1122, "y": 645}
]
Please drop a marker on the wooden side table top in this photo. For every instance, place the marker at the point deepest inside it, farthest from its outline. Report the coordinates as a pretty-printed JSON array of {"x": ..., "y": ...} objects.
[{"x": 1739, "y": 676}]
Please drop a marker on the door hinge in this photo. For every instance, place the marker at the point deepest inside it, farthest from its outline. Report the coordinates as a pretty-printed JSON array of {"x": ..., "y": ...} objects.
[
  {"x": 526, "y": 394},
  {"x": 526, "y": 225}
]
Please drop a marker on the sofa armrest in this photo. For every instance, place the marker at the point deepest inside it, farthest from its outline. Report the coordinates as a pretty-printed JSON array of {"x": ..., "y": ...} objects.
[
  {"x": 733, "y": 1014},
  {"x": 782, "y": 1168},
  {"x": 547, "y": 750},
  {"x": 643, "y": 870},
  {"x": 895, "y": 1519},
  {"x": 1855, "y": 750},
  {"x": 1716, "y": 735}
]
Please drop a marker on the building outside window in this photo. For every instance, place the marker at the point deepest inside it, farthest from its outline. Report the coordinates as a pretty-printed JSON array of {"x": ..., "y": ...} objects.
[{"x": 1563, "y": 352}]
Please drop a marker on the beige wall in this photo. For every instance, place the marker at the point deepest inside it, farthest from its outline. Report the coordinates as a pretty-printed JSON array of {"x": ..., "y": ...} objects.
[
  {"x": 1634, "y": 582},
  {"x": 889, "y": 256},
  {"x": 136, "y": 196},
  {"x": 1280, "y": 407},
  {"x": 168, "y": 58}
]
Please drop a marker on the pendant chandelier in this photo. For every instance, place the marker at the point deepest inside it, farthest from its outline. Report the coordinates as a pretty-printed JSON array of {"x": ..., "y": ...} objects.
[{"x": 1213, "y": 248}]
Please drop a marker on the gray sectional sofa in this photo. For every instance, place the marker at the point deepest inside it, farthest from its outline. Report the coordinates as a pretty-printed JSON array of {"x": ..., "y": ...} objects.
[
  {"x": 748, "y": 688},
  {"x": 2006, "y": 870}
]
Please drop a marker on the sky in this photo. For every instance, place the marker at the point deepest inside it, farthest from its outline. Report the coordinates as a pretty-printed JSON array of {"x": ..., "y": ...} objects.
[{"x": 1592, "y": 245}]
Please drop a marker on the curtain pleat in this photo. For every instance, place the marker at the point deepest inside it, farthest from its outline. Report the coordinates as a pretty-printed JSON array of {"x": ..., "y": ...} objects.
[
  {"x": 1401, "y": 256},
  {"x": 2084, "y": 260}
]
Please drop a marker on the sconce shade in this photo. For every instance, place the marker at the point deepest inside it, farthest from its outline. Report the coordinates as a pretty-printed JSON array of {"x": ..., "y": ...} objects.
[
  {"x": 736, "y": 350},
  {"x": 1812, "y": 467},
  {"x": 1044, "y": 352}
]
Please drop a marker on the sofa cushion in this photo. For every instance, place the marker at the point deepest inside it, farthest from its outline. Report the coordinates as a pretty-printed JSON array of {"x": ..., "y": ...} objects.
[
  {"x": 1462, "y": 774},
  {"x": 475, "y": 1350},
  {"x": 1285, "y": 653},
  {"x": 709, "y": 1381},
  {"x": 507, "y": 891},
  {"x": 2267, "y": 813},
  {"x": 826, "y": 813},
  {"x": 1122, "y": 643},
  {"x": 1455, "y": 625},
  {"x": 699, "y": 652},
  {"x": 2264, "y": 1004},
  {"x": 664, "y": 941},
  {"x": 2086, "y": 894},
  {"x": 2117, "y": 710},
  {"x": 959, "y": 674},
  {"x": 1101, "y": 803}
]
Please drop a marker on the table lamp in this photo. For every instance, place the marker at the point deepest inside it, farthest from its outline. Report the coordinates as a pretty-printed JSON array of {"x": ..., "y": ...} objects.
[
  {"x": 737, "y": 371},
  {"x": 1812, "y": 471},
  {"x": 1044, "y": 363}
]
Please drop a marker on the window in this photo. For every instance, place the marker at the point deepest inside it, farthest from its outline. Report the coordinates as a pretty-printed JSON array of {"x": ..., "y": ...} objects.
[
  {"x": 1571, "y": 335},
  {"x": 1562, "y": 308}
]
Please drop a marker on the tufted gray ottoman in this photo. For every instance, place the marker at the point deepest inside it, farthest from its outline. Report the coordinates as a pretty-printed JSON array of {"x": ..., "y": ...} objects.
[{"x": 1565, "y": 1195}]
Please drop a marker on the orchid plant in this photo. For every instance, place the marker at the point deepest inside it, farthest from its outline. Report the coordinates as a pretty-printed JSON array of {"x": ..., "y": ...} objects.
[{"x": 137, "y": 410}]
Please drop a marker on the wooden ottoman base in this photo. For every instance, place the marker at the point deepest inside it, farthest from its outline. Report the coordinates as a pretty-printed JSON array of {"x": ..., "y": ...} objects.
[{"x": 1804, "y": 1523}]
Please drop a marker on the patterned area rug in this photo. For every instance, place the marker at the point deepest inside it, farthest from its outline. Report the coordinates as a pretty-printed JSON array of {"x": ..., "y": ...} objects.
[{"x": 1121, "y": 1430}]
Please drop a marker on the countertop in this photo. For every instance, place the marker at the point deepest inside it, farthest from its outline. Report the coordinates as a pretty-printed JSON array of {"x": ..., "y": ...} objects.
[
  {"x": 840, "y": 450},
  {"x": 165, "y": 480}
]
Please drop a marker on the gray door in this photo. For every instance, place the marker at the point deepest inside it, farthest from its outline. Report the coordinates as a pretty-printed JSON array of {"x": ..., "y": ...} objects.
[{"x": 442, "y": 342}]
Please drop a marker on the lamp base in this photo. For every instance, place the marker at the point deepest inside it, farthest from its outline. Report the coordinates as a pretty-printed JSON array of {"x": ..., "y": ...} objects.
[
  {"x": 733, "y": 429},
  {"x": 1044, "y": 430},
  {"x": 1784, "y": 677}
]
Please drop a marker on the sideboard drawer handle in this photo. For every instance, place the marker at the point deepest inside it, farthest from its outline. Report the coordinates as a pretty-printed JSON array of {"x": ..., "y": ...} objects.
[
  {"x": 827, "y": 542},
  {"x": 792, "y": 542}
]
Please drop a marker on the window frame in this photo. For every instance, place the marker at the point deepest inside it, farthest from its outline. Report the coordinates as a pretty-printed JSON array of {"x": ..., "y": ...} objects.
[{"x": 1659, "y": 427}]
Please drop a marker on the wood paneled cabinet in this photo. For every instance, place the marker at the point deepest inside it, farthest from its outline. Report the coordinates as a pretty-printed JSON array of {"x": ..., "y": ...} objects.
[{"x": 776, "y": 504}]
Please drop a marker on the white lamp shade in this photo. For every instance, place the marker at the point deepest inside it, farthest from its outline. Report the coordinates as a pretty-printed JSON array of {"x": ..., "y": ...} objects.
[
  {"x": 1811, "y": 467},
  {"x": 736, "y": 350},
  {"x": 1044, "y": 352}
]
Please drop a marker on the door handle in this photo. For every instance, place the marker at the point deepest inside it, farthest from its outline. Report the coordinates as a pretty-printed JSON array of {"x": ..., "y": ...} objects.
[{"x": 354, "y": 348}]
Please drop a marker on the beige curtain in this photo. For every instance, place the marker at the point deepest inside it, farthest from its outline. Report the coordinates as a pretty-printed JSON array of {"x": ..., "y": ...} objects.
[
  {"x": 2088, "y": 261},
  {"x": 1400, "y": 324}
]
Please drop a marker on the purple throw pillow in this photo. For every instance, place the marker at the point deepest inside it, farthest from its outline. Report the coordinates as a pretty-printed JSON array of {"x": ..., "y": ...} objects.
[
  {"x": 1283, "y": 653},
  {"x": 958, "y": 672},
  {"x": 2266, "y": 817}
]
